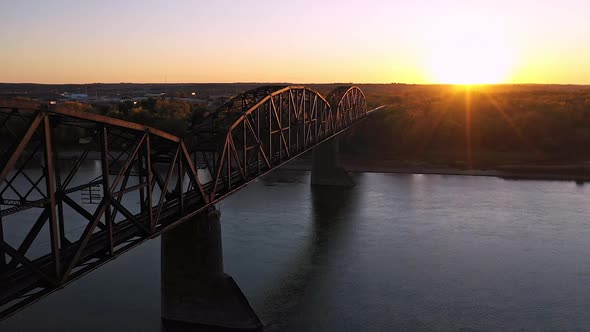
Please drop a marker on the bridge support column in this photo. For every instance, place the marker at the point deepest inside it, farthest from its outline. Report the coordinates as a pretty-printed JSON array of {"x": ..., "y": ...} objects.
[
  {"x": 196, "y": 293},
  {"x": 326, "y": 170}
]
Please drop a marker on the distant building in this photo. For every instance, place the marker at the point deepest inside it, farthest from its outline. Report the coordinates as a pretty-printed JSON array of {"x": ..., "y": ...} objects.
[
  {"x": 155, "y": 95},
  {"x": 75, "y": 96}
]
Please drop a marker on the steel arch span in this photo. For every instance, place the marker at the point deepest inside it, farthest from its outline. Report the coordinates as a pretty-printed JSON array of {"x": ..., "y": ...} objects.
[{"x": 57, "y": 224}]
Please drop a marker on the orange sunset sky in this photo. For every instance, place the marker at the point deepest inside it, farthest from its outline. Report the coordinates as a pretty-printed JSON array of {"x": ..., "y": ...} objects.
[{"x": 304, "y": 41}]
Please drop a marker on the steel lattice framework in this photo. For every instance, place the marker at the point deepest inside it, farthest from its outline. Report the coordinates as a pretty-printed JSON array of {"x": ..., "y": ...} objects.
[{"x": 57, "y": 224}]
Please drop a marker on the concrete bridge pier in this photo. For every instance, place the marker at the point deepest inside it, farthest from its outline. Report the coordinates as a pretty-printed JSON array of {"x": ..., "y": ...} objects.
[
  {"x": 196, "y": 293},
  {"x": 326, "y": 170}
]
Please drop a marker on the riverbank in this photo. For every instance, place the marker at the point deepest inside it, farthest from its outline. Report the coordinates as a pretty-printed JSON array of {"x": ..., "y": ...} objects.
[
  {"x": 556, "y": 172},
  {"x": 523, "y": 172}
]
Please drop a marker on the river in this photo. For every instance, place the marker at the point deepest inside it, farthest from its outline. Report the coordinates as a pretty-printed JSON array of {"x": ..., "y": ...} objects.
[{"x": 396, "y": 252}]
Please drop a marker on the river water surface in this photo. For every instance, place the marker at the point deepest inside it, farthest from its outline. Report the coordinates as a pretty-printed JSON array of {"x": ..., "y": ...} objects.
[{"x": 396, "y": 252}]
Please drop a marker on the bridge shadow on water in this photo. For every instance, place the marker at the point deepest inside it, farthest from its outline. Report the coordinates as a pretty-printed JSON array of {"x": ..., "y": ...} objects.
[
  {"x": 331, "y": 210},
  {"x": 281, "y": 306}
]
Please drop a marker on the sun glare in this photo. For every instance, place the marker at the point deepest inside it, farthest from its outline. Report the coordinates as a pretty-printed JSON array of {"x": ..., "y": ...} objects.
[{"x": 469, "y": 53}]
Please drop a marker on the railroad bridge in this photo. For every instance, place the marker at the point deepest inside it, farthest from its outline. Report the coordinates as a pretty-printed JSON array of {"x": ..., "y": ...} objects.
[{"x": 56, "y": 224}]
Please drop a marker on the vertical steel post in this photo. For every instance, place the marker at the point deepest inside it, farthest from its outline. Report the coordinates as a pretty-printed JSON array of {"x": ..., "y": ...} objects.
[
  {"x": 60, "y": 207},
  {"x": 141, "y": 180},
  {"x": 289, "y": 119},
  {"x": 245, "y": 145},
  {"x": 280, "y": 110},
  {"x": 228, "y": 164},
  {"x": 50, "y": 187},
  {"x": 104, "y": 156},
  {"x": 303, "y": 116},
  {"x": 259, "y": 139},
  {"x": 296, "y": 110},
  {"x": 268, "y": 112},
  {"x": 148, "y": 156},
  {"x": 317, "y": 119},
  {"x": 181, "y": 182}
]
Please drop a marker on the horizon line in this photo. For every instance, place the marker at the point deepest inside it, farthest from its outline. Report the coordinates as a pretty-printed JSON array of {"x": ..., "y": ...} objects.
[{"x": 297, "y": 83}]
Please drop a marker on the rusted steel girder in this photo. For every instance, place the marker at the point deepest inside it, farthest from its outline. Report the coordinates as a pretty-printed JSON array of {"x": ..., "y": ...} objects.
[{"x": 54, "y": 231}]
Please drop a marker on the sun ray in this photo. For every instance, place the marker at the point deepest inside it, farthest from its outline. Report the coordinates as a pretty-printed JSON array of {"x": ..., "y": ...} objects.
[
  {"x": 500, "y": 109},
  {"x": 444, "y": 111},
  {"x": 468, "y": 127}
]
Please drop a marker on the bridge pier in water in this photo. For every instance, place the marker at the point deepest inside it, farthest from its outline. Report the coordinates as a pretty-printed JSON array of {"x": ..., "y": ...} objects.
[
  {"x": 196, "y": 293},
  {"x": 326, "y": 169}
]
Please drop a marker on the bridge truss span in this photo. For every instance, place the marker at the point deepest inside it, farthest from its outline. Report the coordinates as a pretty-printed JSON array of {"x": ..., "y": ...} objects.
[
  {"x": 66, "y": 209},
  {"x": 245, "y": 139}
]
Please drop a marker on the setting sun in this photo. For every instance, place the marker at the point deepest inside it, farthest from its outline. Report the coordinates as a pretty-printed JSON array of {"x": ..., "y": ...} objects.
[{"x": 463, "y": 51}]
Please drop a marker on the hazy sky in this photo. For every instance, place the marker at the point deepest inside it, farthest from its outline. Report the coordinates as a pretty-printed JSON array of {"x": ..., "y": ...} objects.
[{"x": 59, "y": 41}]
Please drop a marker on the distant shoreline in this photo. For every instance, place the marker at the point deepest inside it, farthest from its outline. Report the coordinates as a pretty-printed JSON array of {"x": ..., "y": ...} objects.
[{"x": 305, "y": 165}]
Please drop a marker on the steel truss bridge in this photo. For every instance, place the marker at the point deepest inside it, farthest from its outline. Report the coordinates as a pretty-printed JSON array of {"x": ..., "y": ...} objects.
[{"x": 58, "y": 223}]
